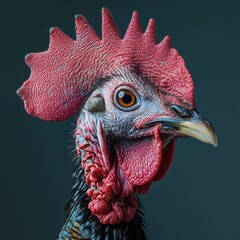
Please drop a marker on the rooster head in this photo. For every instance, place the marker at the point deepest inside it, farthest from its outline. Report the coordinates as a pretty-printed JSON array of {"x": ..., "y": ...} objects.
[{"x": 134, "y": 98}]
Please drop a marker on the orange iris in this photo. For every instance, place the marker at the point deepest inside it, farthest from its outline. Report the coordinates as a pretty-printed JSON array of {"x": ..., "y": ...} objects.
[{"x": 125, "y": 98}]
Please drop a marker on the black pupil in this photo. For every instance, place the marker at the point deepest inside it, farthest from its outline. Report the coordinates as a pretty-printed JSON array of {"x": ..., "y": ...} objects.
[{"x": 126, "y": 98}]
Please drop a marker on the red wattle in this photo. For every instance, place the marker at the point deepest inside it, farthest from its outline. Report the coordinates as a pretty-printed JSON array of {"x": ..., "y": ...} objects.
[
  {"x": 167, "y": 157},
  {"x": 140, "y": 160}
]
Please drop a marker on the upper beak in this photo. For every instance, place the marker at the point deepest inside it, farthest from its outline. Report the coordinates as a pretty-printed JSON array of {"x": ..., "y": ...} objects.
[{"x": 187, "y": 123}]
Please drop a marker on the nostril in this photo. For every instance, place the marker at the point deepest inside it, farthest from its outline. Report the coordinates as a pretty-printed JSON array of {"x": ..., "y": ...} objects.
[{"x": 181, "y": 112}]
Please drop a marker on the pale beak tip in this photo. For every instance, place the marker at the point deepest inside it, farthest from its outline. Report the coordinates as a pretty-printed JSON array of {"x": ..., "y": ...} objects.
[
  {"x": 215, "y": 142},
  {"x": 213, "y": 139}
]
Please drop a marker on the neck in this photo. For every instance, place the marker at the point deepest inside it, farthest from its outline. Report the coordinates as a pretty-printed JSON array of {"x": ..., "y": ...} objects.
[{"x": 81, "y": 223}]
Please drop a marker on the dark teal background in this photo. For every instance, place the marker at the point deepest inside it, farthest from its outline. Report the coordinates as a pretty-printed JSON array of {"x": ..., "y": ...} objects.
[{"x": 199, "y": 197}]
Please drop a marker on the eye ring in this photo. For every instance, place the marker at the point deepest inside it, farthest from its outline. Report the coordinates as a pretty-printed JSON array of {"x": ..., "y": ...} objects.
[{"x": 126, "y": 98}]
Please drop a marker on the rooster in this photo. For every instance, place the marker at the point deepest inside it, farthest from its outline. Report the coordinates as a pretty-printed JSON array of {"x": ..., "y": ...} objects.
[{"x": 134, "y": 98}]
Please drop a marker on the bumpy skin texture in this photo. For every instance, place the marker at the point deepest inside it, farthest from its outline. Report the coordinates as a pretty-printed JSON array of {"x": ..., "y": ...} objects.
[
  {"x": 113, "y": 182},
  {"x": 61, "y": 76},
  {"x": 110, "y": 198}
]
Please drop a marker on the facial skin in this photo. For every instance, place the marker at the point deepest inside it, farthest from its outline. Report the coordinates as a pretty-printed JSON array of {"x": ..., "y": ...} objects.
[
  {"x": 123, "y": 122},
  {"x": 127, "y": 122},
  {"x": 126, "y": 136}
]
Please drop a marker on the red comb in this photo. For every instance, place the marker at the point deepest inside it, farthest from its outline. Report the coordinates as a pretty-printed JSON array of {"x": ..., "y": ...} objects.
[{"x": 62, "y": 75}]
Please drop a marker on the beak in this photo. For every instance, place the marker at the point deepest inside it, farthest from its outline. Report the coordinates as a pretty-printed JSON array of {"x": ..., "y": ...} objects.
[{"x": 187, "y": 123}]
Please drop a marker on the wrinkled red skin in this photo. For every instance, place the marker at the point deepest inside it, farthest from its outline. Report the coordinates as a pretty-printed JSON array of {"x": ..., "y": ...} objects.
[
  {"x": 113, "y": 183},
  {"x": 112, "y": 196}
]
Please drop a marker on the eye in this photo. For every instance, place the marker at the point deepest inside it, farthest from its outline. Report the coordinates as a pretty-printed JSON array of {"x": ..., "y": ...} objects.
[{"x": 126, "y": 98}]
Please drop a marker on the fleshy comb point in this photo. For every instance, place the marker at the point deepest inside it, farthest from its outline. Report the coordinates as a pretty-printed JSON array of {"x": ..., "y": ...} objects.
[
  {"x": 134, "y": 29},
  {"x": 28, "y": 59},
  {"x": 151, "y": 21},
  {"x": 78, "y": 16},
  {"x": 27, "y": 56},
  {"x": 52, "y": 30},
  {"x": 104, "y": 9},
  {"x": 150, "y": 33},
  {"x": 109, "y": 29},
  {"x": 18, "y": 92},
  {"x": 165, "y": 45},
  {"x": 135, "y": 14}
]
